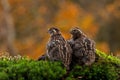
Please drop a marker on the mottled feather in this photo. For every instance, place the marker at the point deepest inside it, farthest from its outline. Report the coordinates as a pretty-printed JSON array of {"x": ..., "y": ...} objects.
[
  {"x": 58, "y": 49},
  {"x": 83, "y": 48}
]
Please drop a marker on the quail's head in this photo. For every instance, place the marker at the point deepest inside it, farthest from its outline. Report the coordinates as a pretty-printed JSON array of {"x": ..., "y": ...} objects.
[
  {"x": 53, "y": 31},
  {"x": 76, "y": 31}
]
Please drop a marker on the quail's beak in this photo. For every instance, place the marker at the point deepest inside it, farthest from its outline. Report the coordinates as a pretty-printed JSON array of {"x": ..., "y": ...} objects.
[
  {"x": 71, "y": 32},
  {"x": 48, "y": 31}
]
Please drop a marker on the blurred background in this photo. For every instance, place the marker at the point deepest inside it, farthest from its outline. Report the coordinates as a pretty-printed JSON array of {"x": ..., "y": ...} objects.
[{"x": 24, "y": 23}]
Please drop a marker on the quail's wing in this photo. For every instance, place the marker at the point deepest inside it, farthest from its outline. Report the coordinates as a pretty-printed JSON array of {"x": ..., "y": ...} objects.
[
  {"x": 89, "y": 44},
  {"x": 66, "y": 55},
  {"x": 49, "y": 47},
  {"x": 70, "y": 42},
  {"x": 43, "y": 57}
]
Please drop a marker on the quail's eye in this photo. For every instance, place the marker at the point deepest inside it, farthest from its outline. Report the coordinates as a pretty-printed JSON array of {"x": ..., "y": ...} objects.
[{"x": 74, "y": 30}]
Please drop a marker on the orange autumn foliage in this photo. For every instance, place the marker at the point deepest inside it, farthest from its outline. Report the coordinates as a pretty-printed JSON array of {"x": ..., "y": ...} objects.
[{"x": 32, "y": 18}]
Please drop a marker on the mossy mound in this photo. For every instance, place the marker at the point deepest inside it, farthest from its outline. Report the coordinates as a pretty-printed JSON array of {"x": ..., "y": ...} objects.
[{"x": 22, "y": 68}]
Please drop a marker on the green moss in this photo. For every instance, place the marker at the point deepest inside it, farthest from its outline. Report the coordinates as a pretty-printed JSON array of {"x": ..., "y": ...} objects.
[
  {"x": 106, "y": 68},
  {"x": 97, "y": 71},
  {"x": 31, "y": 70},
  {"x": 108, "y": 58},
  {"x": 3, "y": 76}
]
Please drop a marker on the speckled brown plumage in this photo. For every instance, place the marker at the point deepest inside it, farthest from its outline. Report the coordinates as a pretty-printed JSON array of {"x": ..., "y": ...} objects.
[
  {"x": 58, "y": 49},
  {"x": 83, "y": 48}
]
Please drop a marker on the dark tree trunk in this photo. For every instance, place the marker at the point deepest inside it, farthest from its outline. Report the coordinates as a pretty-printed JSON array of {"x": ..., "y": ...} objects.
[{"x": 10, "y": 27}]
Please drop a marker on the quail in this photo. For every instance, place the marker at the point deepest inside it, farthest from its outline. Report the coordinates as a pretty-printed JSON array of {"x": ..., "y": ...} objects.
[
  {"x": 83, "y": 48},
  {"x": 58, "y": 49}
]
